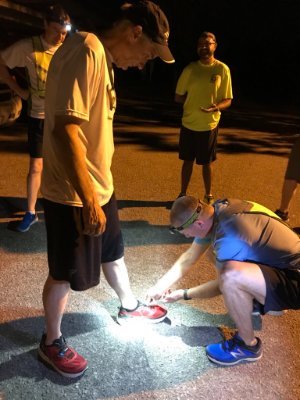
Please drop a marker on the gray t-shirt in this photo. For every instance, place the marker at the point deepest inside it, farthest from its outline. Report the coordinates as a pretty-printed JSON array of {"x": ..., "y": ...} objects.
[{"x": 247, "y": 231}]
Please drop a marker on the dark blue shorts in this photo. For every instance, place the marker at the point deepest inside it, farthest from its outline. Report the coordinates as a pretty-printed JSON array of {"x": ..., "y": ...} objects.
[
  {"x": 283, "y": 289},
  {"x": 73, "y": 256},
  {"x": 35, "y": 137},
  {"x": 199, "y": 146}
]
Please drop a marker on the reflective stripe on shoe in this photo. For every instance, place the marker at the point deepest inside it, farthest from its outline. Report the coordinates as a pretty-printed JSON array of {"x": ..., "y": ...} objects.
[
  {"x": 233, "y": 351},
  {"x": 146, "y": 313}
]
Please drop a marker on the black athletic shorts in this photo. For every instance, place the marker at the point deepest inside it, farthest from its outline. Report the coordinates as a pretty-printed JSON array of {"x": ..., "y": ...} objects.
[
  {"x": 199, "y": 146},
  {"x": 283, "y": 289},
  {"x": 35, "y": 137},
  {"x": 73, "y": 256}
]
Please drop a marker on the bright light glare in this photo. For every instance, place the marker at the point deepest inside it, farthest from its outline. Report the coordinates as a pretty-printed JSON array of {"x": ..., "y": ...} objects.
[
  {"x": 133, "y": 330},
  {"x": 68, "y": 27}
]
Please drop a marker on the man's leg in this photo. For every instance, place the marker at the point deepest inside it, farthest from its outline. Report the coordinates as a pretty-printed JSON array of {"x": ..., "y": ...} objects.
[
  {"x": 33, "y": 185},
  {"x": 117, "y": 277},
  {"x": 131, "y": 309},
  {"x": 288, "y": 191},
  {"x": 34, "y": 182},
  {"x": 55, "y": 297},
  {"x": 65, "y": 251},
  {"x": 186, "y": 173},
  {"x": 207, "y": 174},
  {"x": 53, "y": 349},
  {"x": 241, "y": 282}
]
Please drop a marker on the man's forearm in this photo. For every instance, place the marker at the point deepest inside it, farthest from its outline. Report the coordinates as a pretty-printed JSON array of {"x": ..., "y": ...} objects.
[
  {"x": 177, "y": 271},
  {"x": 69, "y": 150},
  {"x": 6, "y": 77},
  {"x": 223, "y": 105},
  {"x": 180, "y": 98},
  {"x": 205, "y": 291}
]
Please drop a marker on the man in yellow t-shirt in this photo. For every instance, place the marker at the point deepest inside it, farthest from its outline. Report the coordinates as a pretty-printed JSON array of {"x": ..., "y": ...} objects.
[
  {"x": 204, "y": 89},
  {"x": 83, "y": 230}
]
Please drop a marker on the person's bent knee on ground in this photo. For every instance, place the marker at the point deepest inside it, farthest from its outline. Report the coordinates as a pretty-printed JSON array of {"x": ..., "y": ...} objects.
[{"x": 236, "y": 230}]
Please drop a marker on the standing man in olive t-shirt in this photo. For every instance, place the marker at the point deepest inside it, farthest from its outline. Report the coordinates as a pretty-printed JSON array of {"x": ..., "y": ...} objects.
[{"x": 204, "y": 89}]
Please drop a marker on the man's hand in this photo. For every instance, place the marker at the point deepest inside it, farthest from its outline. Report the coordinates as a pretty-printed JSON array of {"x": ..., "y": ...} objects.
[
  {"x": 210, "y": 109},
  {"x": 94, "y": 219},
  {"x": 155, "y": 293},
  {"x": 23, "y": 93},
  {"x": 172, "y": 295},
  {"x": 166, "y": 296},
  {"x": 15, "y": 87}
]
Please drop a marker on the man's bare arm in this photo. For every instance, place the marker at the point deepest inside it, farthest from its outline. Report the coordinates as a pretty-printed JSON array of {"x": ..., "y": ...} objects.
[
  {"x": 178, "y": 270},
  {"x": 180, "y": 98},
  {"x": 72, "y": 157},
  {"x": 11, "y": 82}
]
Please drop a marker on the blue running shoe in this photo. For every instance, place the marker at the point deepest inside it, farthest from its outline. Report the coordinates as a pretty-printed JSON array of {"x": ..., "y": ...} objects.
[
  {"x": 233, "y": 351},
  {"x": 28, "y": 220}
]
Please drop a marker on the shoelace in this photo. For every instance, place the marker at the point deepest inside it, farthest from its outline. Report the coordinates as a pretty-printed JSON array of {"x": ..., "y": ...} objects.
[
  {"x": 62, "y": 346},
  {"x": 231, "y": 343}
]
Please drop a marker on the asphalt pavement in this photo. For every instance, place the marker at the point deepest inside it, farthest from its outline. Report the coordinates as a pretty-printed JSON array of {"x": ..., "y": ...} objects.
[{"x": 166, "y": 361}]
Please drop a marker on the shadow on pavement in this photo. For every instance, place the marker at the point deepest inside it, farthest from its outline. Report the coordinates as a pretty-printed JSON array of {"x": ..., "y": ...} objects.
[
  {"x": 136, "y": 233},
  {"x": 154, "y": 112},
  {"x": 15, "y": 207},
  {"x": 144, "y": 203},
  {"x": 33, "y": 241},
  {"x": 271, "y": 132},
  {"x": 14, "y": 138},
  {"x": 121, "y": 360}
]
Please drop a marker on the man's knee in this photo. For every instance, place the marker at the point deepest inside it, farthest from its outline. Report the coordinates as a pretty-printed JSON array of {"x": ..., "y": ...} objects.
[
  {"x": 231, "y": 275},
  {"x": 36, "y": 166}
]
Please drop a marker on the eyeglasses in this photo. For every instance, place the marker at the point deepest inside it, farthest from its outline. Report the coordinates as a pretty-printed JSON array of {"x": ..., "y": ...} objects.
[
  {"x": 206, "y": 44},
  {"x": 188, "y": 223}
]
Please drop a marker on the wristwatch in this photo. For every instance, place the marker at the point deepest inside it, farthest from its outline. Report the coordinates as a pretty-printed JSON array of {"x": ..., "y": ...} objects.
[{"x": 185, "y": 294}]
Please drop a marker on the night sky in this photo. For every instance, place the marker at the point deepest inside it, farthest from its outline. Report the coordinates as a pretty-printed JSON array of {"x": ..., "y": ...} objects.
[{"x": 258, "y": 39}]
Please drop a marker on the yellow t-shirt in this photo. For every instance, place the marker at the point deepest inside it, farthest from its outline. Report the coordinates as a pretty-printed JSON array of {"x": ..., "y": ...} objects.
[
  {"x": 204, "y": 85},
  {"x": 79, "y": 84}
]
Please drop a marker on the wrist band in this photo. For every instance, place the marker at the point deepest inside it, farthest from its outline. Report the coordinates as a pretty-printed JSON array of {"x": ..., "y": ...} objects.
[{"x": 185, "y": 295}]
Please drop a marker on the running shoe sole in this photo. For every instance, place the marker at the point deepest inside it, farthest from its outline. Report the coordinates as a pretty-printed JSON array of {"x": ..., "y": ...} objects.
[
  {"x": 125, "y": 320},
  {"x": 251, "y": 359}
]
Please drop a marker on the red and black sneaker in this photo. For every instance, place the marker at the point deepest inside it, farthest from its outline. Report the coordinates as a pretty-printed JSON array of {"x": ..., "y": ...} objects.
[
  {"x": 65, "y": 360},
  {"x": 151, "y": 314}
]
